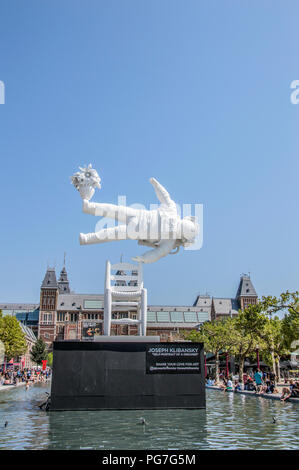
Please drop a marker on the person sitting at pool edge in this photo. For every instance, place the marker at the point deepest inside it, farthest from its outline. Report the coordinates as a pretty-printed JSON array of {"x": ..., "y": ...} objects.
[
  {"x": 210, "y": 381},
  {"x": 292, "y": 392},
  {"x": 238, "y": 386}
]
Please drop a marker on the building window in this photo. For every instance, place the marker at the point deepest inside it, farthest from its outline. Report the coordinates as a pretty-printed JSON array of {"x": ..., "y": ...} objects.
[
  {"x": 190, "y": 317},
  {"x": 60, "y": 332},
  {"x": 151, "y": 316},
  {"x": 203, "y": 316},
  {"x": 93, "y": 304},
  {"x": 47, "y": 318},
  {"x": 163, "y": 316},
  {"x": 92, "y": 316},
  {"x": 176, "y": 316}
]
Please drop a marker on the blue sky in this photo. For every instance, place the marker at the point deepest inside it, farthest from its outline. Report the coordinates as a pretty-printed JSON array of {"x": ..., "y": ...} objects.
[{"x": 196, "y": 94}]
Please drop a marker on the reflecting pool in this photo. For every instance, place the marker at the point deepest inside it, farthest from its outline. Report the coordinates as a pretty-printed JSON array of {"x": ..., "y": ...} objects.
[{"x": 230, "y": 422}]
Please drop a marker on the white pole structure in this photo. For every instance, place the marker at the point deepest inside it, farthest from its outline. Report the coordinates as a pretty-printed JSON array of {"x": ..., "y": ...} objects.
[
  {"x": 107, "y": 312},
  {"x": 143, "y": 311},
  {"x": 107, "y": 301},
  {"x": 108, "y": 280},
  {"x": 139, "y": 316}
]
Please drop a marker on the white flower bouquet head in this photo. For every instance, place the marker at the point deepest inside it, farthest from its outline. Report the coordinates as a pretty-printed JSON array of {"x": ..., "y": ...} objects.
[{"x": 85, "y": 181}]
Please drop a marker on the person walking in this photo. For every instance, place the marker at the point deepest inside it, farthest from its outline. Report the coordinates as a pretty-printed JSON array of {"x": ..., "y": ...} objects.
[{"x": 258, "y": 378}]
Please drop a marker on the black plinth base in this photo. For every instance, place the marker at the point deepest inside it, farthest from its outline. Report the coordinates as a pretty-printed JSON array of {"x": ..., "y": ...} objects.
[{"x": 127, "y": 375}]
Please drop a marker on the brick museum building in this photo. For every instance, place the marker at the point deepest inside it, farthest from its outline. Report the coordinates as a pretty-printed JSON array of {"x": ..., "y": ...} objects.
[{"x": 62, "y": 314}]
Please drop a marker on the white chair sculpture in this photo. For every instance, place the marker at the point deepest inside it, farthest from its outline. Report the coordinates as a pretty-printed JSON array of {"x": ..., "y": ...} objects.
[{"x": 130, "y": 294}]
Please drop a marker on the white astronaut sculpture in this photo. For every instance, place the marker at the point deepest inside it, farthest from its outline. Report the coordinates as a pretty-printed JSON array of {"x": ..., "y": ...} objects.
[{"x": 162, "y": 229}]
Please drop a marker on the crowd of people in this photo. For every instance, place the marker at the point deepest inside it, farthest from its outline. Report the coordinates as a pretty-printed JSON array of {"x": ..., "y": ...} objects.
[
  {"x": 258, "y": 382},
  {"x": 26, "y": 376}
]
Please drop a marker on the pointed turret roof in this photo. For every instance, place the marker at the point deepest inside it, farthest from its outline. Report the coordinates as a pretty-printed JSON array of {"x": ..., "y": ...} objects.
[
  {"x": 63, "y": 275},
  {"x": 50, "y": 281},
  {"x": 246, "y": 288},
  {"x": 63, "y": 282}
]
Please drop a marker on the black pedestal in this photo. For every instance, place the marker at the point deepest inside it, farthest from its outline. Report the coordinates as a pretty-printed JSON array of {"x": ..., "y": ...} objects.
[{"x": 127, "y": 375}]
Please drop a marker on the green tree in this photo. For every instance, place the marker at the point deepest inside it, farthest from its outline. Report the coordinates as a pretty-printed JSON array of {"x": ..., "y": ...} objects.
[
  {"x": 290, "y": 327},
  {"x": 288, "y": 301},
  {"x": 216, "y": 338},
  {"x": 50, "y": 359},
  {"x": 275, "y": 344},
  {"x": 12, "y": 336},
  {"x": 254, "y": 328},
  {"x": 39, "y": 352},
  {"x": 246, "y": 332}
]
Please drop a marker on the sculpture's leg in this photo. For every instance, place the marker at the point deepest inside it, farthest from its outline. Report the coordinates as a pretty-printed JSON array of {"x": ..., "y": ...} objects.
[
  {"x": 104, "y": 235},
  {"x": 112, "y": 211},
  {"x": 163, "y": 249}
]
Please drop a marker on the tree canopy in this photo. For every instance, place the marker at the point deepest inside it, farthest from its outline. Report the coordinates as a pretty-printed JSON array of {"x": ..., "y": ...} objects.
[
  {"x": 254, "y": 328},
  {"x": 12, "y": 336},
  {"x": 39, "y": 352}
]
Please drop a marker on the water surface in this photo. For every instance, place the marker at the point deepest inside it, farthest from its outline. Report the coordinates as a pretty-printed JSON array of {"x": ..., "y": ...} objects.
[{"x": 229, "y": 422}]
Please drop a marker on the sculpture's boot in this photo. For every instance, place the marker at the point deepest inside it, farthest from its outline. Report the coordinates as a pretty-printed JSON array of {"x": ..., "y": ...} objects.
[
  {"x": 163, "y": 249},
  {"x": 82, "y": 239}
]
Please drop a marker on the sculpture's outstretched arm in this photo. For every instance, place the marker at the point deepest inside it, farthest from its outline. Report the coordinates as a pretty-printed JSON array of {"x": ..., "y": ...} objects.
[
  {"x": 164, "y": 248},
  {"x": 162, "y": 193},
  {"x": 112, "y": 211}
]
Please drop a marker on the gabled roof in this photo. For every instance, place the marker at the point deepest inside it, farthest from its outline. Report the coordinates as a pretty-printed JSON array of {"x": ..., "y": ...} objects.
[
  {"x": 50, "y": 281},
  {"x": 74, "y": 302},
  {"x": 246, "y": 288},
  {"x": 20, "y": 306},
  {"x": 224, "y": 306},
  {"x": 204, "y": 301}
]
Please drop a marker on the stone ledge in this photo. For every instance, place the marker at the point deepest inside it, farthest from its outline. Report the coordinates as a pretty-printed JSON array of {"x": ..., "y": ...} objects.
[
  {"x": 270, "y": 396},
  {"x": 10, "y": 387}
]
